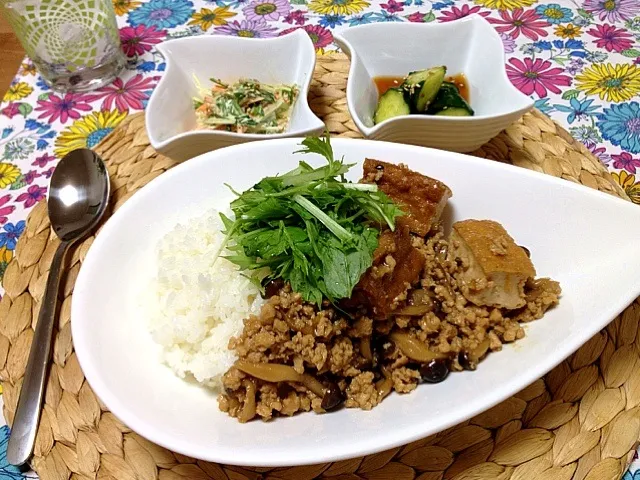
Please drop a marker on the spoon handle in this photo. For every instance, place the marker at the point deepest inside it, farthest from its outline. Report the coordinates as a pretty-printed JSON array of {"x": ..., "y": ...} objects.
[{"x": 27, "y": 417}]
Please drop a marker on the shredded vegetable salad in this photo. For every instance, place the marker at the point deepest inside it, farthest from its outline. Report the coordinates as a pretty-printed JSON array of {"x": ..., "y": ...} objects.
[{"x": 246, "y": 106}]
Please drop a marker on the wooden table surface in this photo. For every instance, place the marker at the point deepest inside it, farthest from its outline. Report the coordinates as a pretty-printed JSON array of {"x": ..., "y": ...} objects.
[{"x": 11, "y": 55}]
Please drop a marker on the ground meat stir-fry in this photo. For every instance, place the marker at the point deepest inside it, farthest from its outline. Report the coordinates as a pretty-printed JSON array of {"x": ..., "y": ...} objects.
[
  {"x": 358, "y": 361},
  {"x": 428, "y": 305}
]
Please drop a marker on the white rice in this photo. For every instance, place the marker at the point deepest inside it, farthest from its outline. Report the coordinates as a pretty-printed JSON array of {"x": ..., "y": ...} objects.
[{"x": 196, "y": 305}]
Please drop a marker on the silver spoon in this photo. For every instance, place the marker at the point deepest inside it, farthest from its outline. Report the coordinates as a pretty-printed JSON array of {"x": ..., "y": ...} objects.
[{"x": 78, "y": 197}]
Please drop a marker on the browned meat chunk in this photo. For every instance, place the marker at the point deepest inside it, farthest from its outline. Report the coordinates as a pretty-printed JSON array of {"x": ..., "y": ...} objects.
[
  {"x": 396, "y": 267},
  {"x": 494, "y": 269},
  {"x": 422, "y": 198}
]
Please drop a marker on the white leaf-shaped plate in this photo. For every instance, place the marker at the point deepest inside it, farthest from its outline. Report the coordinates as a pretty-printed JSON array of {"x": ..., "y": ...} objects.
[{"x": 585, "y": 239}]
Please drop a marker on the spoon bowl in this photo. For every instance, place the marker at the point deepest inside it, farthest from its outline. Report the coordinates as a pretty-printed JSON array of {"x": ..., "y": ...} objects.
[
  {"x": 78, "y": 197},
  {"x": 77, "y": 194}
]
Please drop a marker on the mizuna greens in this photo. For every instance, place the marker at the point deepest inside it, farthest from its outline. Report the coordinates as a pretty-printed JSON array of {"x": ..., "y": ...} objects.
[
  {"x": 246, "y": 106},
  {"x": 310, "y": 226}
]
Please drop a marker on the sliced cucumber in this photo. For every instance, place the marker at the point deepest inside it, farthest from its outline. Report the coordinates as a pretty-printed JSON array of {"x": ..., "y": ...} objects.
[
  {"x": 419, "y": 76},
  {"x": 391, "y": 104},
  {"x": 449, "y": 97},
  {"x": 422, "y": 86},
  {"x": 454, "y": 112}
]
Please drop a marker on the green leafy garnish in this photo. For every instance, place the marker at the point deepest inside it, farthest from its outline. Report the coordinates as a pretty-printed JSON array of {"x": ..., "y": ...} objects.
[{"x": 310, "y": 226}]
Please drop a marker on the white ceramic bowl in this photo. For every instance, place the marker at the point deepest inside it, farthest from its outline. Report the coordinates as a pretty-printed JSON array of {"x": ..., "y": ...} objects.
[
  {"x": 170, "y": 117},
  {"x": 470, "y": 46}
]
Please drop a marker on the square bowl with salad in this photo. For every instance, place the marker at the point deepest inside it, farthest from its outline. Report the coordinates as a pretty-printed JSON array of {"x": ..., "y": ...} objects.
[
  {"x": 220, "y": 91},
  {"x": 435, "y": 85}
]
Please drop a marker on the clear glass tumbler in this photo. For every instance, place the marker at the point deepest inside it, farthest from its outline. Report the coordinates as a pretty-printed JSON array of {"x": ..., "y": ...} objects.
[{"x": 74, "y": 44}]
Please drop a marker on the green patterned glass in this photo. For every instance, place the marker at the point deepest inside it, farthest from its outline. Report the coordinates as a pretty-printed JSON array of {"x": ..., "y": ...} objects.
[{"x": 74, "y": 44}]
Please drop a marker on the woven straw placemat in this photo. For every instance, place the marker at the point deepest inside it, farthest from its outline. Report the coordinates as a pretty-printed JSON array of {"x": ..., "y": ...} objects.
[{"x": 581, "y": 421}]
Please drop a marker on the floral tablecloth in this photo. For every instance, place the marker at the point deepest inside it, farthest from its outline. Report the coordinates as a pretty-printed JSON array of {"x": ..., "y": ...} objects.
[{"x": 579, "y": 60}]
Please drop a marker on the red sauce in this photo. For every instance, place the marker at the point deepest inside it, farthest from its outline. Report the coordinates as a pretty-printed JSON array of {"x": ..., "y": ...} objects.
[
  {"x": 384, "y": 83},
  {"x": 460, "y": 81}
]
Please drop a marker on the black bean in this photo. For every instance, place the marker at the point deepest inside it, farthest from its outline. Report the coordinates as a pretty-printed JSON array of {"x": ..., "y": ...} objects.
[
  {"x": 383, "y": 345},
  {"x": 526, "y": 250},
  {"x": 333, "y": 397},
  {"x": 434, "y": 371},
  {"x": 284, "y": 389},
  {"x": 272, "y": 287},
  {"x": 382, "y": 348},
  {"x": 362, "y": 363},
  {"x": 464, "y": 359}
]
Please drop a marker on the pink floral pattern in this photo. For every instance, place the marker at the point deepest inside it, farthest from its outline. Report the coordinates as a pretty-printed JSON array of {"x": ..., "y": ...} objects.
[
  {"x": 5, "y": 210},
  {"x": 42, "y": 160},
  {"x": 297, "y": 17},
  {"x": 610, "y": 38},
  {"x": 125, "y": 96},
  {"x": 138, "y": 40},
  {"x": 32, "y": 196},
  {"x": 536, "y": 76},
  {"x": 320, "y": 36},
  {"x": 456, "y": 13},
  {"x": 10, "y": 111},
  {"x": 64, "y": 107},
  {"x": 392, "y": 6},
  {"x": 626, "y": 161},
  {"x": 521, "y": 22}
]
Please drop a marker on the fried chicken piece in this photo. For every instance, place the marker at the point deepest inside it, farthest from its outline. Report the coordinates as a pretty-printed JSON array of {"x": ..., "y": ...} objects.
[
  {"x": 396, "y": 267},
  {"x": 421, "y": 198},
  {"x": 495, "y": 268}
]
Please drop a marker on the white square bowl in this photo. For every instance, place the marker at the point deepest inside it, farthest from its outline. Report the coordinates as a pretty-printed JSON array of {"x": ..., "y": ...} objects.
[
  {"x": 469, "y": 45},
  {"x": 170, "y": 117}
]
